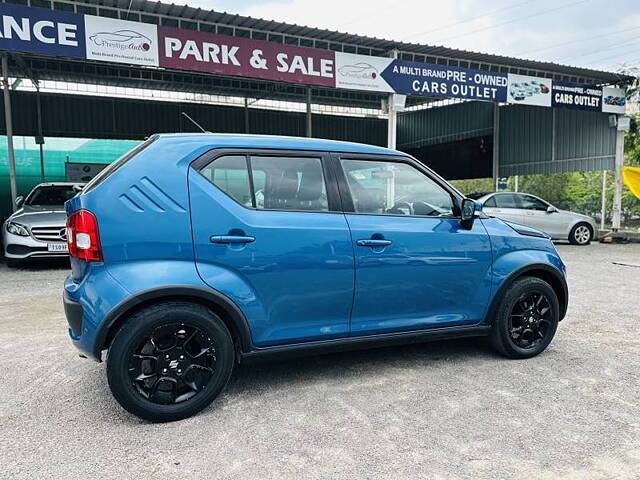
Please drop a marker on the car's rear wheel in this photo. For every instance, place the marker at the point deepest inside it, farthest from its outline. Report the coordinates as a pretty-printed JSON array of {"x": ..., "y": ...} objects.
[
  {"x": 581, "y": 234},
  {"x": 526, "y": 318},
  {"x": 169, "y": 361}
]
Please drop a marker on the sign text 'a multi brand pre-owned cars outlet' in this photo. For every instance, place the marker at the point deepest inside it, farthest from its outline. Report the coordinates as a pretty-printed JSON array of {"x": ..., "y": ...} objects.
[{"x": 49, "y": 32}]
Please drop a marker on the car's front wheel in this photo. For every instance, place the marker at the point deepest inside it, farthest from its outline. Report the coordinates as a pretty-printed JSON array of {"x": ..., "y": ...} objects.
[
  {"x": 169, "y": 361},
  {"x": 581, "y": 234},
  {"x": 526, "y": 318}
]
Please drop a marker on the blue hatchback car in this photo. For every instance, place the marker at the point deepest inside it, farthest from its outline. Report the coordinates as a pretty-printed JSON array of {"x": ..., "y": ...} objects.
[{"x": 197, "y": 251}]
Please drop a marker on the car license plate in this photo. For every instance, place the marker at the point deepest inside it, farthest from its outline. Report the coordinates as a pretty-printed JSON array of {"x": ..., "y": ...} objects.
[{"x": 57, "y": 247}]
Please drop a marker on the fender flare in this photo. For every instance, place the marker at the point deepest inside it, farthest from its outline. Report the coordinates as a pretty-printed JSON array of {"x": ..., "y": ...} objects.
[
  {"x": 233, "y": 316},
  {"x": 558, "y": 283}
]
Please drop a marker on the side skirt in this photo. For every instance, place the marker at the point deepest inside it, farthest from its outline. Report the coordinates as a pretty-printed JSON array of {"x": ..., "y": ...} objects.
[{"x": 360, "y": 343}]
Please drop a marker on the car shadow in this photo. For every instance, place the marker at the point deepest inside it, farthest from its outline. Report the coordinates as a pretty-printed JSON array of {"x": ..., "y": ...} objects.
[
  {"x": 251, "y": 378},
  {"x": 51, "y": 263}
]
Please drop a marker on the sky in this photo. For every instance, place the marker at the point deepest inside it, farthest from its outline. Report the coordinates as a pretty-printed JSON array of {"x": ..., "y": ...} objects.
[{"x": 600, "y": 34}]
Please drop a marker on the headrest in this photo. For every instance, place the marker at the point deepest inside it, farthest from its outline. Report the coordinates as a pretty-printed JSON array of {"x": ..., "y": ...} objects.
[
  {"x": 311, "y": 182},
  {"x": 285, "y": 185}
]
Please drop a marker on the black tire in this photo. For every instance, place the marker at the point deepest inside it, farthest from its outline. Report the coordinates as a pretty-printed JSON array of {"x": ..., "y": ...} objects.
[
  {"x": 513, "y": 321},
  {"x": 581, "y": 234},
  {"x": 134, "y": 349},
  {"x": 14, "y": 262}
]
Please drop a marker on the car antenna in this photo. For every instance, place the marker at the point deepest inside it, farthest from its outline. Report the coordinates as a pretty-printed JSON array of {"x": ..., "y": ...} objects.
[{"x": 194, "y": 122}]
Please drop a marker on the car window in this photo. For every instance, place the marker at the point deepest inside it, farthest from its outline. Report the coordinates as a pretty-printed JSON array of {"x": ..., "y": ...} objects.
[
  {"x": 394, "y": 188},
  {"x": 490, "y": 202},
  {"x": 50, "y": 195},
  {"x": 506, "y": 200},
  {"x": 230, "y": 174},
  {"x": 289, "y": 183},
  {"x": 532, "y": 203}
]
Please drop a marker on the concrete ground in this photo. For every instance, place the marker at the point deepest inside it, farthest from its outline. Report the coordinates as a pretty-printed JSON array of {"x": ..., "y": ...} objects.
[{"x": 439, "y": 410}]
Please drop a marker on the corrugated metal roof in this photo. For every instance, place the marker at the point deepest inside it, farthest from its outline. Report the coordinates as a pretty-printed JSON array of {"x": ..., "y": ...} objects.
[{"x": 378, "y": 46}]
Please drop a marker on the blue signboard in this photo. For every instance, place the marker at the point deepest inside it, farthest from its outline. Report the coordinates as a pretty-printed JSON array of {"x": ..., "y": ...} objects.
[
  {"x": 41, "y": 31},
  {"x": 412, "y": 78},
  {"x": 576, "y": 96}
]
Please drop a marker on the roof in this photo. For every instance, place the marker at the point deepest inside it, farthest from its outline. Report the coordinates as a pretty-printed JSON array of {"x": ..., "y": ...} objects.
[
  {"x": 224, "y": 140},
  {"x": 343, "y": 41}
]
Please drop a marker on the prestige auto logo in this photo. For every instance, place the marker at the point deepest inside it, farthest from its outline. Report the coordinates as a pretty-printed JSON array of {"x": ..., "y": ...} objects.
[
  {"x": 122, "y": 40},
  {"x": 360, "y": 70}
]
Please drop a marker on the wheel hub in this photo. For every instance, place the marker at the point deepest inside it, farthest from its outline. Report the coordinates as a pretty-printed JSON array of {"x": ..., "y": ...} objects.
[
  {"x": 529, "y": 320},
  {"x": 173, "y": 364}
]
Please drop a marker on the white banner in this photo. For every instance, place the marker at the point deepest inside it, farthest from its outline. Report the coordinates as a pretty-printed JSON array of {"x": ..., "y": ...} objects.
[
  {"x": 613, "y": 100},
  {"x": 361, "y": 72},
  {"x": 121, "y": 41},
  {"x": 525, "y": 90}
]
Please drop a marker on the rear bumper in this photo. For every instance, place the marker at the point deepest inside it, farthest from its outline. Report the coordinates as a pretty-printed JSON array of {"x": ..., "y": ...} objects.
[
  {"x": 86, "y": 304},
  {"x": 73, "y": 312}
]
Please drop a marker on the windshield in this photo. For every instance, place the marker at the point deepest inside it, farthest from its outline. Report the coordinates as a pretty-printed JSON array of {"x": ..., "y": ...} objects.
[{"x": 50, "y": 195}]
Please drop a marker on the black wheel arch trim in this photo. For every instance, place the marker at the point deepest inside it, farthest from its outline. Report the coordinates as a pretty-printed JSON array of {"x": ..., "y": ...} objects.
[
  {"x": 559, "y": 281},
  {"x": 240, "y": 326}
]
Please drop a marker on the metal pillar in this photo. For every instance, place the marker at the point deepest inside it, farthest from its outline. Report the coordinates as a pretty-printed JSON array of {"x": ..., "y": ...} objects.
[
  {"x": 392, "y": 124},
  {"x": 617, "y": 192},
  {"x": 9, "y": 124},
  {"x": 40, "y": 136},
  {"x": 516, "y": 184},
  {"x": 246, "y": 115},
  {"x": 309, "y": 130},
  {"x": 392, "y": 115},
  {"x": 603, "y": 201},
  {"x": 496, "y": 146}
]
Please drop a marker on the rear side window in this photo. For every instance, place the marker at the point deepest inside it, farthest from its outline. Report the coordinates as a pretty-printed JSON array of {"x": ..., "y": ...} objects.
[
  {"x": 289, "y": 183},
  {"x": 506, "y": 200},
  {"x": 106, "y": 172},
  {"x": 230, "y": 174},
  {"x": 491, "y": 202},
  {"x": 532, "y": 203},
  {"x": 270, "y": 182}
]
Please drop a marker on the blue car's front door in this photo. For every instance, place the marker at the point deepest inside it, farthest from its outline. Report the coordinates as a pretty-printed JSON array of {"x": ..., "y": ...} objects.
[
  {"x": 267, "y": 238},
  {"x": 416, "y": 265}
]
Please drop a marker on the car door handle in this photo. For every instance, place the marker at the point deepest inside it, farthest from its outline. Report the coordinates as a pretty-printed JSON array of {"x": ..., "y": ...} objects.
[
  {"x": 371, "y": 242},
  {"x": 530, "y": 213},
  {"x": 231, "y": 239}
]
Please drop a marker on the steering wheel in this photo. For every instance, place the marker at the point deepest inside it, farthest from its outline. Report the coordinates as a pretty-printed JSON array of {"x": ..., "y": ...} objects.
[{"x": 401, "y": 208}]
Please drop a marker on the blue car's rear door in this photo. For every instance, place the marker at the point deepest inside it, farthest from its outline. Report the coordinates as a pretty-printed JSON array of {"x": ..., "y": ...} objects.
[
  {"x": 416, "y": 265},
  {"x": 267, "y": 235}
]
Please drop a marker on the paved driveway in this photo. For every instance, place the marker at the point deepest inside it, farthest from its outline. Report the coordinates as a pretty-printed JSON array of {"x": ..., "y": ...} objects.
[{"x": 439, "y": 410}]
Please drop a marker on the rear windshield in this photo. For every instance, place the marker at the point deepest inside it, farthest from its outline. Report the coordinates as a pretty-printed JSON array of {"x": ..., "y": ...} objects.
[
  {"x": 102, "y": 176},
  {"x": 51, "y": 195}
]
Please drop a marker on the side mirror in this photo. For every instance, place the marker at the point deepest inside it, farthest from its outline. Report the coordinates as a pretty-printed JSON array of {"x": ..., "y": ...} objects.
[
  {"x": 551, "y": 209},
  {"x": 19, "y": 201},
  {"x": 468, "y": 212}
]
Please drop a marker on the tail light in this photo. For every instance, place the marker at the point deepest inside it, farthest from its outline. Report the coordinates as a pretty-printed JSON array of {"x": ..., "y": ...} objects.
[{"x": 82, "y": 236}]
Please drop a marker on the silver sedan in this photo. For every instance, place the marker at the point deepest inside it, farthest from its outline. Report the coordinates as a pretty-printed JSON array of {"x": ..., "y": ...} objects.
[
  {"x": 533, "y": 211},
  {"x": 38, "y": 228}
]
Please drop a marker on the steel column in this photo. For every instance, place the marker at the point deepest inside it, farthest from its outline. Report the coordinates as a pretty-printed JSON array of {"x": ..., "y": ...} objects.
[
  {"x": 603, "y": 200},
  {"x": 9, "y": 124},
  {"x": 617, "y": 192},
  {"x": 40, "y": 136},
  {"x": 309, "y": 129},
  {"x": 496, "y": 146}
]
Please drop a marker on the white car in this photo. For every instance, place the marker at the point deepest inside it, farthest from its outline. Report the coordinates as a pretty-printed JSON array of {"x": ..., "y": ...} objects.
[{"x": 532, "y": 211}]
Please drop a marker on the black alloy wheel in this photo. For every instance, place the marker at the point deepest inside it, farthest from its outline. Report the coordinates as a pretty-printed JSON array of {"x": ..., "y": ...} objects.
[
  {"x": 173, "y": 364},
  {"x": 170, "y": 360},
  {"x": 526, "y": 318},
  {"x": 529, "y": 321}
]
